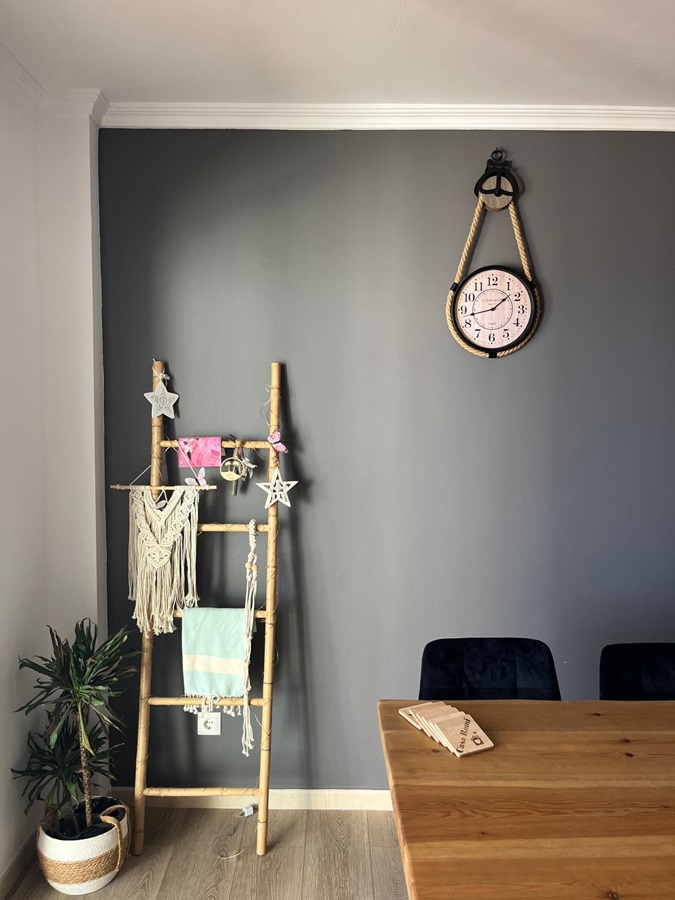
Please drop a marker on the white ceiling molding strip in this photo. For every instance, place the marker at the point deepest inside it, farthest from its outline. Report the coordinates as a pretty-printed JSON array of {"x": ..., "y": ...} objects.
[
  {"x": 27, "y": 89},
  {"x": 81, "y": 102},
  {"x": 379, "y": 116}
]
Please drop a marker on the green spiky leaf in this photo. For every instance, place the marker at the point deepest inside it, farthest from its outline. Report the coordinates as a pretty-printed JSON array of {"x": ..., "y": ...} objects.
[{"x": 75, "y": 686}]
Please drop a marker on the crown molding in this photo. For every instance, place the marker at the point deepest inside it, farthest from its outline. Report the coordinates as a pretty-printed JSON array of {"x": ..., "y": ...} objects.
[
  {"x": 77, "y": 102},
  {"x": 377, "y": 116},
  {"x": 28, "y": 90}
]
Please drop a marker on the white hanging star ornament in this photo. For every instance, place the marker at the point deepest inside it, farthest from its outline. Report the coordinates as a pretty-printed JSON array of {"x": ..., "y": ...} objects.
[
  {"x": 162, "y": 401},
  {"x": 277, "y": 489}
]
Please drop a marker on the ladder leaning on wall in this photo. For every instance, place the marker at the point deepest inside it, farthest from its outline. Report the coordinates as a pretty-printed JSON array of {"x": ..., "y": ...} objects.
[{"x": 148, "y": 700}]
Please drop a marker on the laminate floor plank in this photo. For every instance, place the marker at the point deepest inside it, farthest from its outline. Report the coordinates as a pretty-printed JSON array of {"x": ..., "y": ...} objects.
[
  {"x": 141, "y": 878},
  {"x": 278, "y": 874},
  {"x": 316, "y": 855},
  {"x": 381, "y": 829},
  {"x": 388, "y": 877},
  {"x": 385, "y": 857},
  {"x": 164, "y": 825},
  {"x": 337, "y": 856},
  {"x": 196, "y": 870}
]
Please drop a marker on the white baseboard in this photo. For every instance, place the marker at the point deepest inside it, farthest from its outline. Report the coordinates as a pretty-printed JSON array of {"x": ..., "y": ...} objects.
[
  {"x": 10, "y": 877},
  {"x": 279, "y": 799}
]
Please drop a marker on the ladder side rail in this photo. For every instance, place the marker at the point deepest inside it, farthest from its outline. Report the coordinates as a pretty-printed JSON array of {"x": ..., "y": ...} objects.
[
  {"x": 270, "y": 622},
  {"x": 140, "y": 779}
]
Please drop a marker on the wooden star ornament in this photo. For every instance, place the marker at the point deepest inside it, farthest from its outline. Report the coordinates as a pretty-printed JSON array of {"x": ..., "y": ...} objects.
[
  {"x": 162, "y": 401},
  {"x": 277, "y": 489}
]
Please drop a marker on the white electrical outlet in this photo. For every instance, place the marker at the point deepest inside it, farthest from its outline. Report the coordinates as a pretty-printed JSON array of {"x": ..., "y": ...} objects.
[{"x": 209, "y": 722}]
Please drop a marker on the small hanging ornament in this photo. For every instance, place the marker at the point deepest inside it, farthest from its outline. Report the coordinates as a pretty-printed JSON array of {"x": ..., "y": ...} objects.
[
  {"x": 277, "y": 489},
  {"x": 236, "y": 467},
  {"x": 200, "y": 478},
  {"x": 232, "y": 469},
  {"x": 162, "y": 400},
  {"x": 275, "y": 440}
]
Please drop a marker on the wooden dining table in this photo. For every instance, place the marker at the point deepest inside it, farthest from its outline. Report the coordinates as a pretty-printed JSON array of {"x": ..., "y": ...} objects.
[{"x": 575, "y": 800}]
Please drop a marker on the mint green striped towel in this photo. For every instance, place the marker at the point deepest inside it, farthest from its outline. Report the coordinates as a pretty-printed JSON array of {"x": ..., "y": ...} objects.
[
  {"x": 214, "y": 653},
  {"x": 216, "y": 656}
]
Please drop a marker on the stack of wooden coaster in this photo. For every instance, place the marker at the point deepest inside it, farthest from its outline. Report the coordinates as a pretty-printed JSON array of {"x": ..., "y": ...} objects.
[{"x": 448, "y": 725}]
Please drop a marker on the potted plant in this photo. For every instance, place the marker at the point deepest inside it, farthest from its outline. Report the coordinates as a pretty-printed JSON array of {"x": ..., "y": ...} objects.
[{"x": 81, "y": 843}]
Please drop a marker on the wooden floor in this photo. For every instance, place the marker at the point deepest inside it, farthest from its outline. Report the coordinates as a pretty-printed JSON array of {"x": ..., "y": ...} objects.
[{"x": 313, "y": 855}]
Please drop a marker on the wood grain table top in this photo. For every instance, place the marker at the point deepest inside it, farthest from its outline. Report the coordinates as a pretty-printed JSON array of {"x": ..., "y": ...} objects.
[{"x": 576, "y": 800}]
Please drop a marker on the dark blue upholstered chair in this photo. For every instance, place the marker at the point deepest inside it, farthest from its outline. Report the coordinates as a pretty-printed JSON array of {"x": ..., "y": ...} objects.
[
  {"x": 488, "y": 669},
  {"x": 637, "y": 672}
]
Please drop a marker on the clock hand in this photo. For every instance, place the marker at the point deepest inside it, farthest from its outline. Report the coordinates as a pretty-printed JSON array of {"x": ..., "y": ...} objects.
[{"x": 490, "y": 309}]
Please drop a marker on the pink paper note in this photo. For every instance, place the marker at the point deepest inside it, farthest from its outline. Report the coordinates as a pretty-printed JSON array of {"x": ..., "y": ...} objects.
[{"x": 195, "y": 452}]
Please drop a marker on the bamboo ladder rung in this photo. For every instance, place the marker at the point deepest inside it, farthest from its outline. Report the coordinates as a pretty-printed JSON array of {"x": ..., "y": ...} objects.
[
  {"x": 229, "y": 445},
  {"x": 162, "y": 487},
  {"x": 259, "y": 613},
  {"x": 226, "y": 526},
  {"x": 198, "y": 701},
  {"x": 200, "y": 792}
]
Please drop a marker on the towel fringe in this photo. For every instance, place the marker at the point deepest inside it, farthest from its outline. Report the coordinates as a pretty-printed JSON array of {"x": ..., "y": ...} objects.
[{"x": 249, "y": 620}]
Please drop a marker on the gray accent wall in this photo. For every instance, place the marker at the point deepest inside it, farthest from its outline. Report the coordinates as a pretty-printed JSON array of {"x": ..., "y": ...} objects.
[{"x": 440, "y": 494}]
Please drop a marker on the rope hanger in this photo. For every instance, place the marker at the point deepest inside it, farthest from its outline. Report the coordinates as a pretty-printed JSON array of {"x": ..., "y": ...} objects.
[{"x": 493, "y": 197}]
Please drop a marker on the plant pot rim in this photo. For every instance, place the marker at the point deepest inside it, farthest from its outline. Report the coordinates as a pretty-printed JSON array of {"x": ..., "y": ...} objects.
[{"x": 85, "y": 840}]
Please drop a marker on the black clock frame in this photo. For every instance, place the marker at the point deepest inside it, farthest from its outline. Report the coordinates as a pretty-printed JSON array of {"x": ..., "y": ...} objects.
[{"x": 534, "y": 299}]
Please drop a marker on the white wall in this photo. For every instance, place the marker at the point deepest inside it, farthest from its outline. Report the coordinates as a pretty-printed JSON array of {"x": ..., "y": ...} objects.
[
  {"x": 22, "y": 523},
  {"x": 52, "y": 541},
  {"x": 70, "y": 290}
]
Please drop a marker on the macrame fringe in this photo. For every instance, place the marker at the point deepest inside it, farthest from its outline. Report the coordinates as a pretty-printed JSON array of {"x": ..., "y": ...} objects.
[
  {"x": 162, "y": 557},
  {"x": 249, "y": 619}
]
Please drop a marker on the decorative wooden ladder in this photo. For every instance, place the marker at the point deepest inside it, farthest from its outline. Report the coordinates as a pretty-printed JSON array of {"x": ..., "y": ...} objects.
[{"x": 147, "y": 700}]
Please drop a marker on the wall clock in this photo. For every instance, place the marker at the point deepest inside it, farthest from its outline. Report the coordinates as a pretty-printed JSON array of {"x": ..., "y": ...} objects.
[{"x": 495, "y": 310}]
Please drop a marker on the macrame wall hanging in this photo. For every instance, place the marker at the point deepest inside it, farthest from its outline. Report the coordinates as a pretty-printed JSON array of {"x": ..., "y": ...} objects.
[
  {"x": 494, "y": 310},
  {"x": 162, "y": 556}
]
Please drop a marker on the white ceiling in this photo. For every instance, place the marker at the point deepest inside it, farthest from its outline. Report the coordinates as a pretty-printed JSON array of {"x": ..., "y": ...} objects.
[{"x": 578, "y": 52}]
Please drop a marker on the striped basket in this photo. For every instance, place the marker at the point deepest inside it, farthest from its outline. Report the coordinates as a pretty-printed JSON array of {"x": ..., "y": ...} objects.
[{"x": 79, "y": 867}]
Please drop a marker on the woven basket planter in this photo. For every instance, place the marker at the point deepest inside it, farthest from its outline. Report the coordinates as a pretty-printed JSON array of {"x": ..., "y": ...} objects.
[{"x": 82, "y": 866}]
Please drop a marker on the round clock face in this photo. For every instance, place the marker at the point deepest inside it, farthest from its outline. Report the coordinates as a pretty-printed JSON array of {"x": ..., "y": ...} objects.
[{"x": 493, "y": 309}]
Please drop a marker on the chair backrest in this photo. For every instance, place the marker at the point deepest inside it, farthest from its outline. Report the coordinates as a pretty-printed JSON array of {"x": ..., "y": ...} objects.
[
  {"x": 488, "y": 669},
  {"x": 637, "y": 672}
]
